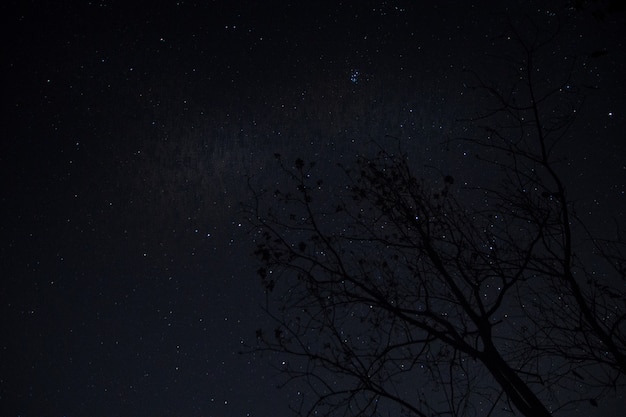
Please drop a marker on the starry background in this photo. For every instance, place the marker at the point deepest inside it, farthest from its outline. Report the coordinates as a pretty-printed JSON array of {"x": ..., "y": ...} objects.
[{"x": 127, "y": 284}]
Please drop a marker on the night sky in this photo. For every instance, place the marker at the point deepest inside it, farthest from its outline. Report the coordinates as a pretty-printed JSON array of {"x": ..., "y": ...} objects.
[{"x": 128, "y": 286}]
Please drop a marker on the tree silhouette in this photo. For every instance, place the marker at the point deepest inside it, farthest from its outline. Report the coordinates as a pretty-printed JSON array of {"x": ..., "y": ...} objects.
[{"x": 393, "y": 293}]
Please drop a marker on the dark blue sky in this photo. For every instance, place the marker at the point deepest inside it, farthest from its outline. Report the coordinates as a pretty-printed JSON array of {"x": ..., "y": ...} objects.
[{"x": 127, "y": 283}]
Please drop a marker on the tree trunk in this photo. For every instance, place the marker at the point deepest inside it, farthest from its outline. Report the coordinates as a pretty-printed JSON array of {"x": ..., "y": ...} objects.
[{"x": 515, "y": 388}]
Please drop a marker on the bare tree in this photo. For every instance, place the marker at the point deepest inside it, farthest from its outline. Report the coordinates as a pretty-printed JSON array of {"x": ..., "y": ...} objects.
[{"x": 394, "y": 294}]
